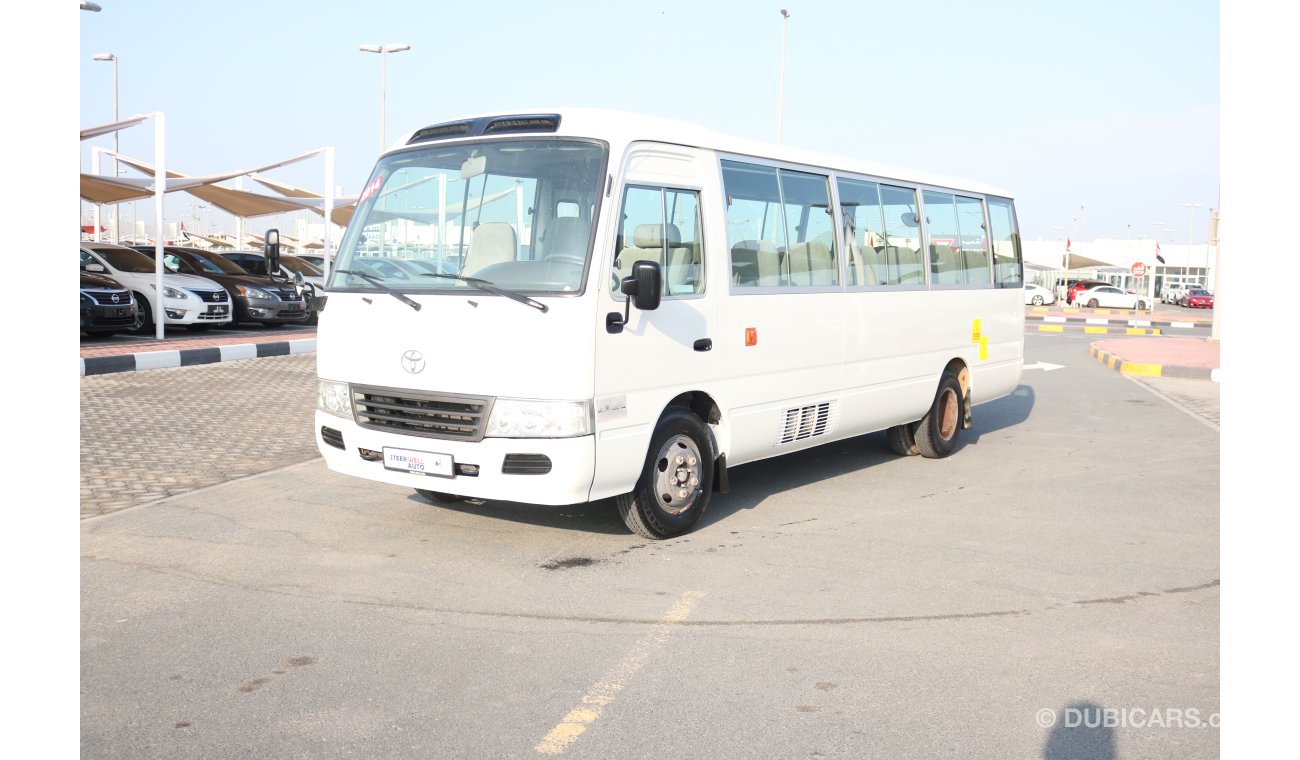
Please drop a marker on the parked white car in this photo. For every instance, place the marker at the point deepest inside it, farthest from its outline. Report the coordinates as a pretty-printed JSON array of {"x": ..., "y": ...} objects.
[
  {"x": 196, "y": 302},
  {"x": 1037, "y": 295},
  {"x": 1109, "y": 296},
  {"x": 1176, "y": 292}
]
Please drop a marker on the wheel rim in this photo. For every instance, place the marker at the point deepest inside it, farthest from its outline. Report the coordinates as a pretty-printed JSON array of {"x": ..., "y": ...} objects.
[
  {"x": 677, "y": 474},
  {"x": 1038, "y": 300},
  {"x": 948, "y": 414}
]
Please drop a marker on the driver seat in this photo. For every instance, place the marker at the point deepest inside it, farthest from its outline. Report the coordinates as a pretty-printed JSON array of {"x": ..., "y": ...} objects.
[{"x": 493, "y": 243}]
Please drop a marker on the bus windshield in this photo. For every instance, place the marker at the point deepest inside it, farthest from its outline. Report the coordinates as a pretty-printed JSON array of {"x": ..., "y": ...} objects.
[{"x": 516, "y": 214}]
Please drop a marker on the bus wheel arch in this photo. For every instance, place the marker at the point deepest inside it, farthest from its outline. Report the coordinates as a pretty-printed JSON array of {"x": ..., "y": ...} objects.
[{"x": 675, "y": 483}]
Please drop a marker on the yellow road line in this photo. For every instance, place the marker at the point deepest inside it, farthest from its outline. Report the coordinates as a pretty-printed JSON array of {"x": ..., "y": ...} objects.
[
  {"x": 601, "y": 693},
  {"x": 1051, "y": 328}
]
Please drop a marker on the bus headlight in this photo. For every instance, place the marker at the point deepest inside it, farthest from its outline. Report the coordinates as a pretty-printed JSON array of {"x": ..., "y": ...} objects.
[
  {"x": 522, "y": 418},
  {"x": 334, "y": 398}
]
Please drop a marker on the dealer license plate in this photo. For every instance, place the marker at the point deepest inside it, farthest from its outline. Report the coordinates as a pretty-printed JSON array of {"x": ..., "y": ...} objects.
[{"x": 419, "y": 462}]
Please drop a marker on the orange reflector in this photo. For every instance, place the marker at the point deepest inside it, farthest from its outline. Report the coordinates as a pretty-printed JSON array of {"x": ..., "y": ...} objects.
[{"x": 751, "y": 336}]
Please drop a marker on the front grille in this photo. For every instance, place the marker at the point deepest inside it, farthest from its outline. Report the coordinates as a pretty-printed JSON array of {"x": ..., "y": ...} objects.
[
  {"x": 286, "y": 294},
  {"x": 430, "y": 415},
  {"x": 212, "y": 296},
  {"x": 106, "y": 297}
]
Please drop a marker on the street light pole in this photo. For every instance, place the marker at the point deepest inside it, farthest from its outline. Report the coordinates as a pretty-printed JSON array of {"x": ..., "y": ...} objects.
[
  {"x": 780, "y": 102},
  {"x": 383, "y": 51},
  {"x": 117, "y": 216},
  {"x": 1191, "y": 210}
]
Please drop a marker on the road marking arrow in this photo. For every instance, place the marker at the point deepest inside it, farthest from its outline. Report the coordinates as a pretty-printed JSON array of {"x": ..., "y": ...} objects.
[{"x": 1044, "y": 366}]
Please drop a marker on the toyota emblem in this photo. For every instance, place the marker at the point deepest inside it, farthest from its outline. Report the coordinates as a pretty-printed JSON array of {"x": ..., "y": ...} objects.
[{"x": 413, "y": 362}]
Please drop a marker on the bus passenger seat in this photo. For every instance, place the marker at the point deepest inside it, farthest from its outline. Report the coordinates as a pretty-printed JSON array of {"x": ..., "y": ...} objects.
[
  {"x": 755, "y": 262},
  {"x": 492, "y": 243},
  {"x": 869, "y": 263}
]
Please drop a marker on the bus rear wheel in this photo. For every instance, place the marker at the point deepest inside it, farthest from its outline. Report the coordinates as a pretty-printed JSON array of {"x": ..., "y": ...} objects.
[
  {"x": 676, "y": 481},
  {"x": 902, "y": 440},
  {"x": 936, "y": 434}
]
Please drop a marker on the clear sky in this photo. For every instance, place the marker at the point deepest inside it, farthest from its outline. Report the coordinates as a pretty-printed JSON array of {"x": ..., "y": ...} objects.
[{"x": 1109, "y": 105}]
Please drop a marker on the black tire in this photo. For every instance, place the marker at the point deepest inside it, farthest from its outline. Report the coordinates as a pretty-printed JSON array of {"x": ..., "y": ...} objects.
[
  {"x": 143, "y": 316},
  {"x": 936, "y": 433},
  {"x": 1092, "y": 303},
  {"x": 1038, "y": 300},
  {"x": 902, "y": 440},
  {"x": 676, "y": 481},
  {"x": 1142, "y": 305},
  {"x": 439, "y": 496}
]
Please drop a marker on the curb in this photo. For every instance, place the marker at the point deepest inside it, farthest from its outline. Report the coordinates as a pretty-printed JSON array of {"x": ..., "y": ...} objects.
[
  {"x": 187, "y": 357},
  {"x": 1098, "y": 330},
  {"x": 1139, "y": 369},
  {"x": 1105, "y": 321}
]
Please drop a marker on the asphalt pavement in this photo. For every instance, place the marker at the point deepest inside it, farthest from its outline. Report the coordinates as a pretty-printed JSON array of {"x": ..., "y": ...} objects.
[{"x": 838, "y": 602}]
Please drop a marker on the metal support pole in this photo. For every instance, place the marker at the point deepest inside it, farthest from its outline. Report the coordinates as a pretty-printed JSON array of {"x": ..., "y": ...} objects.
[{"x": 780, "y": 102}]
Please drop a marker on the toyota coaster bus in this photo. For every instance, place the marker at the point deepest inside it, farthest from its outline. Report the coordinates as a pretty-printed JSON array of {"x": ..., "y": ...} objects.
[{"x": 570, "y": 305}]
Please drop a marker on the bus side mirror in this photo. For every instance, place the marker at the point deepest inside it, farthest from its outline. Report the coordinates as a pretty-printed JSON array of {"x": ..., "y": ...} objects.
[
  {"x": 272, "y": 252},
  {"x": 643, "y": 287}
]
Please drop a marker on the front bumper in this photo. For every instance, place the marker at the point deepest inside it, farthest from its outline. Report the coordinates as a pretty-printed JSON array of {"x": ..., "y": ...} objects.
[
  {"x": 568, "y": 481},
  {"x": 115, "y": 317},
  {"x": 191, "y": 312},
  {"x": 274, "y": 311}
]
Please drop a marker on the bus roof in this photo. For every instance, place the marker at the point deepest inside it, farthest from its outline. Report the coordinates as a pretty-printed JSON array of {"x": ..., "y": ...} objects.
[{"x": 626, "y": 127}]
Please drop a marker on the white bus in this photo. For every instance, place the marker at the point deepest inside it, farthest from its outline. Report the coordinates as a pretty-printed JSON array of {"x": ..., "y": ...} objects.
[{"x": 560, "y": 307}]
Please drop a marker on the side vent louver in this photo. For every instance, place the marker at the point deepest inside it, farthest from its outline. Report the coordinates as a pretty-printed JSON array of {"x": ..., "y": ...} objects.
[{"x": 807, "y": 422}]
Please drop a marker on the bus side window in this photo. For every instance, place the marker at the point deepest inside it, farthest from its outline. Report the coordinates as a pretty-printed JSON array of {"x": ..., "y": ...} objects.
[
  {"x": 780, "y": 227},
  {"x": 661, "y": 225},
  {"x": 1007, "y": 261}
]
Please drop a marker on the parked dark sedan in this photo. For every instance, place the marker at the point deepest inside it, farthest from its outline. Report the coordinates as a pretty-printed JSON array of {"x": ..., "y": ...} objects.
[
  {"x": 107, "y": 306},
  {"x": 256, "y": 298}
]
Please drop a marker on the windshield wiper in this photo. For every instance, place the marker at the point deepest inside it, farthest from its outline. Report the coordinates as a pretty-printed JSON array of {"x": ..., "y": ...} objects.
[
  {"x": 378, "y": 283},
  {"x": 484, "y": 285}
]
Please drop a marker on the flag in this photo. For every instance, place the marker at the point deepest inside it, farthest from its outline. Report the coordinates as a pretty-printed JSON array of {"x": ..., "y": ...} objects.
[
  {"x": 1067, "y": 245},
  {"x": 1159, "y": 258}
]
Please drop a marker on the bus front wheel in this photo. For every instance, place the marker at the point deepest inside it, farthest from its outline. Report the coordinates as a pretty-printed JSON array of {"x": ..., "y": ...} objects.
[
  {"x": 676, "y": 481},
  {"x": 936, "y": 434}
]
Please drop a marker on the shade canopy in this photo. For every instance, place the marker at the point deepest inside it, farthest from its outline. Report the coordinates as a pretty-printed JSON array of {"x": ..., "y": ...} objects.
[
  {"x": 104, "y": 129},
  {"x": 97, "y": 188},
  {"x": 1077, "y": 261}
]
